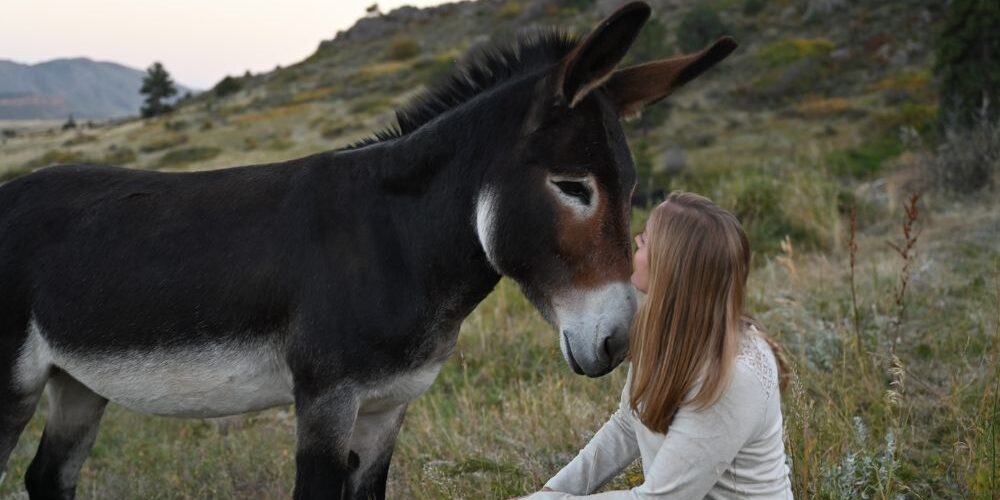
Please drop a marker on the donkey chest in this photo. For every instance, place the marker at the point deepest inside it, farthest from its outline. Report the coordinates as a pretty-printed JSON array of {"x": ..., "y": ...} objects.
[{"x": 398, "y": 389}]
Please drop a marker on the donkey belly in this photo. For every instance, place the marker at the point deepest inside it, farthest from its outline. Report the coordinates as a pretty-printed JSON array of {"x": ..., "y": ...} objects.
[{"x": 210, "y": 380}]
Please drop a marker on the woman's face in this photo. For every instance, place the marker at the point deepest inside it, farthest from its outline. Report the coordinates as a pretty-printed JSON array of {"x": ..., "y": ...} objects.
[{"x": 640, "y": 263}]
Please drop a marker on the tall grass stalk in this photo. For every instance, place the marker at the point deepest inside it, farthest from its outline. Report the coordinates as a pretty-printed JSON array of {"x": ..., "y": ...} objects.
[{"x": 852, "y": 248}]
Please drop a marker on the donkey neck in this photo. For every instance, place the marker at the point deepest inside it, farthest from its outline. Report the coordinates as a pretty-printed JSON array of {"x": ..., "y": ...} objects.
[{"x": 429, "y": 181}]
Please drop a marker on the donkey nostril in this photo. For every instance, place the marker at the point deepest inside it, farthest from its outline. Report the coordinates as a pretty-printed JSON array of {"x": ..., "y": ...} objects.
[{"x": 607, "y": 348}]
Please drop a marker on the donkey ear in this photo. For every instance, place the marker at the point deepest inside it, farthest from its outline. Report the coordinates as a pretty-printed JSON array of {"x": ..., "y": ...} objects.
[
  {"x": 591, "y": 63},
  {"x": 633, "y": 88}
]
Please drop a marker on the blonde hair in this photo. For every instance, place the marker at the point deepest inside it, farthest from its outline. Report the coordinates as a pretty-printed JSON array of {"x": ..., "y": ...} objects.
[{"x": 689, "y": 327}]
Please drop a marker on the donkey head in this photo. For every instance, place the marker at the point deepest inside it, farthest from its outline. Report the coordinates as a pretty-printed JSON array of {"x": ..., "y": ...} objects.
[{"x": 556, "y": 219}]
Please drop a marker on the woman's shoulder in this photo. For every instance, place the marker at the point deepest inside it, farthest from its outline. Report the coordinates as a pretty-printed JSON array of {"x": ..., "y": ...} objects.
[{"x": 755, "y": 363}]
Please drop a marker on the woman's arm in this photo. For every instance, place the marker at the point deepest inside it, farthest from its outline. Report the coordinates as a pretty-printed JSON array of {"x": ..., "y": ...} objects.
[
  {"x": 699, "y": 445},
  {"x": 612, "y": 449}
]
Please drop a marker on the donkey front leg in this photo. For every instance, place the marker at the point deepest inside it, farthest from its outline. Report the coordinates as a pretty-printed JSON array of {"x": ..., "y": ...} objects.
[
  {"x": 323, "y": 458},
  {"x": 373, "y": 440}
]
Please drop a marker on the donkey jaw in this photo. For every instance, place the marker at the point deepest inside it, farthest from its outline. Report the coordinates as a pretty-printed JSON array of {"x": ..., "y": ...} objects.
[{"x": 593, "y": 327}]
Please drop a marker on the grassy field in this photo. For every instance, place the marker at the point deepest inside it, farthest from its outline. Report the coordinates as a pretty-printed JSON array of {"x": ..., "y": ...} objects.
[
  {"x": 863, "y": 418},
  {"x": 893, "y": 335}
]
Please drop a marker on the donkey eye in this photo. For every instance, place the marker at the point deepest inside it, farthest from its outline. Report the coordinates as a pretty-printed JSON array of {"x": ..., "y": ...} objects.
[{"x": 578, "y": 190}]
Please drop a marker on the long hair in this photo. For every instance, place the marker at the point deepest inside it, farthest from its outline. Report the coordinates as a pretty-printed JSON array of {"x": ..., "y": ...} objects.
[{"x": 688, "y": 329}]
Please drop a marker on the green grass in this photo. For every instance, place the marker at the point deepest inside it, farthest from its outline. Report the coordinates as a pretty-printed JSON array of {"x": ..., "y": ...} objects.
[
  {"x": 865, "y": 160},
  {"x": 506, "y": 413}
]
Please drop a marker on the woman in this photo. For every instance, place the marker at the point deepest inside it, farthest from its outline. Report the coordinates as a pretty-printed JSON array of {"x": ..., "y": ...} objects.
[{"x": 701, "y": 405}]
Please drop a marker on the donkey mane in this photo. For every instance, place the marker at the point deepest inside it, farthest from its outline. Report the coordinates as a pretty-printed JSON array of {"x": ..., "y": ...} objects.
[{"x": 481, "y": 70}]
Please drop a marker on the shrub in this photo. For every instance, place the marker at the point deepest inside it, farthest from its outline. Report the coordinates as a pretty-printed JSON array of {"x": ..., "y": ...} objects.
[
  {"x": 789, "y": 51},
  {"x": 818, "y": 107},
  {"x": 509, "y": 10},
  {"x": 913, "y": 82},
  {"x": 79, "y": 139},
  {"x": 908, "y": 114},
  {"x": 188, "y": 155},
  {"x": 279, "y": 144},
  {"x": 800, "y": 204},
  {"x": 118, "y": 156},
  {"x": 580, "y": 5},
  {"x": 175, "y": 125},
  {"x": 315, "y": 94},
  {"x": 866, "y": 159},
  {"x": 58, "y": 156},
  {"x": 699, "y": 27},
  {"x": 968, "y": 61},
  {"x": 433, "y": 69},
  {"x": 165, "y": 141},
  {"x": 967, "y": 160},
  {"x": 334, "y": 130},
  {"x": 651, "y": 44},
  {"x": 753, "y": 7},
  {"x": 402, "y": 48},
  {"x": 227, "y": 86}
]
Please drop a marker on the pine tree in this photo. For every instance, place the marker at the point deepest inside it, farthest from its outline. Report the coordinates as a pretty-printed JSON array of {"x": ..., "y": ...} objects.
[
  {"x": 157, "y": 87},
  {"x": 968, "y": 62}
]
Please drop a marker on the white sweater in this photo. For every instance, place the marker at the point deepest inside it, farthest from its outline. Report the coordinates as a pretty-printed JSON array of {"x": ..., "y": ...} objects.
[{"x": 732, "y": 449}]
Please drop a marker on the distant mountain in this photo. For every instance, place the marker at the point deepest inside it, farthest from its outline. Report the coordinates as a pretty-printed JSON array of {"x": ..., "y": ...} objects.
[{"x": 55, "y": 89}]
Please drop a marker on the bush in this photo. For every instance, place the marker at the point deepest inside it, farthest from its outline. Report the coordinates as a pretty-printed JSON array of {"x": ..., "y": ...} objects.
[
  {"x": 579, "y": 5},
  {"x": 402, "y": 48},
  {"x": 793, "y": 67},
  {"x": 789, "y": 51},
  {"x": 509, "y": 10},
  {"x": 967, "y": 160},
  {"x": 799, "y": 203},
  {"x": 866, "y": 159},
  {"x": 165, "y": 141},
  {"x": 650, "y": 45},
  {"x": 968, "y": 61},
  {"x": 57, "y": 157},
  {"x": 699, "y": 27},
  {"x": 907, "y": 114},
  {"x": 188, "y": 155},
  {"x": 753, "y": 7},
  {"x": 227, "y": 86},
  {"x": 79, "y": 139},
  {"x": 118, "y": 156}
]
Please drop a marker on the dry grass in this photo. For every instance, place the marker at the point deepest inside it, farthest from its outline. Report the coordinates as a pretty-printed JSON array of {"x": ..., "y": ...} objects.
[
  {"x": 506, "y": 413},
  {"x": 883, "y": 403}
]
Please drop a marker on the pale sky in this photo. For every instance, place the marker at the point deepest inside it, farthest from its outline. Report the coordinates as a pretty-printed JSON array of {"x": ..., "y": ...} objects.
[{"x": 198, "y": 41}]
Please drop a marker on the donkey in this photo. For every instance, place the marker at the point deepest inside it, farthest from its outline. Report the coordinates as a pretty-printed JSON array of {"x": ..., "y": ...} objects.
[{"x": 337, "y": 281}]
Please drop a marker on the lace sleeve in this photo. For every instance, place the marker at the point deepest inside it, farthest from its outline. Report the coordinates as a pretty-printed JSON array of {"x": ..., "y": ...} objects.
[{"x": 757, "y": 355}]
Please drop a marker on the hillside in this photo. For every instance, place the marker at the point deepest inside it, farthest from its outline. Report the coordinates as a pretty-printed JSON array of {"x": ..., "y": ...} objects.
[
  {"x": 816, "y": 132},
  {"x": 80, "y": 87},
  {"x": 844, "y": 76}
]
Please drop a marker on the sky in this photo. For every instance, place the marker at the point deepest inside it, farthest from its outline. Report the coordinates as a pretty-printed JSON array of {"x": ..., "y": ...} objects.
[{"x": 198, "y": 41}]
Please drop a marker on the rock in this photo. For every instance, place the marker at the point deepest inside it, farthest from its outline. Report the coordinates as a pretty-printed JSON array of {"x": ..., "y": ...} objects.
[
  {"x": 674, "y": 162},
  {"x": 841, "y": 54}
]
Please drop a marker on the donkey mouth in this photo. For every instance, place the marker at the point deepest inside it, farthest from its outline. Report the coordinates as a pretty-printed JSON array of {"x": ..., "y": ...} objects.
[{"x": 569, "y": 356}]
